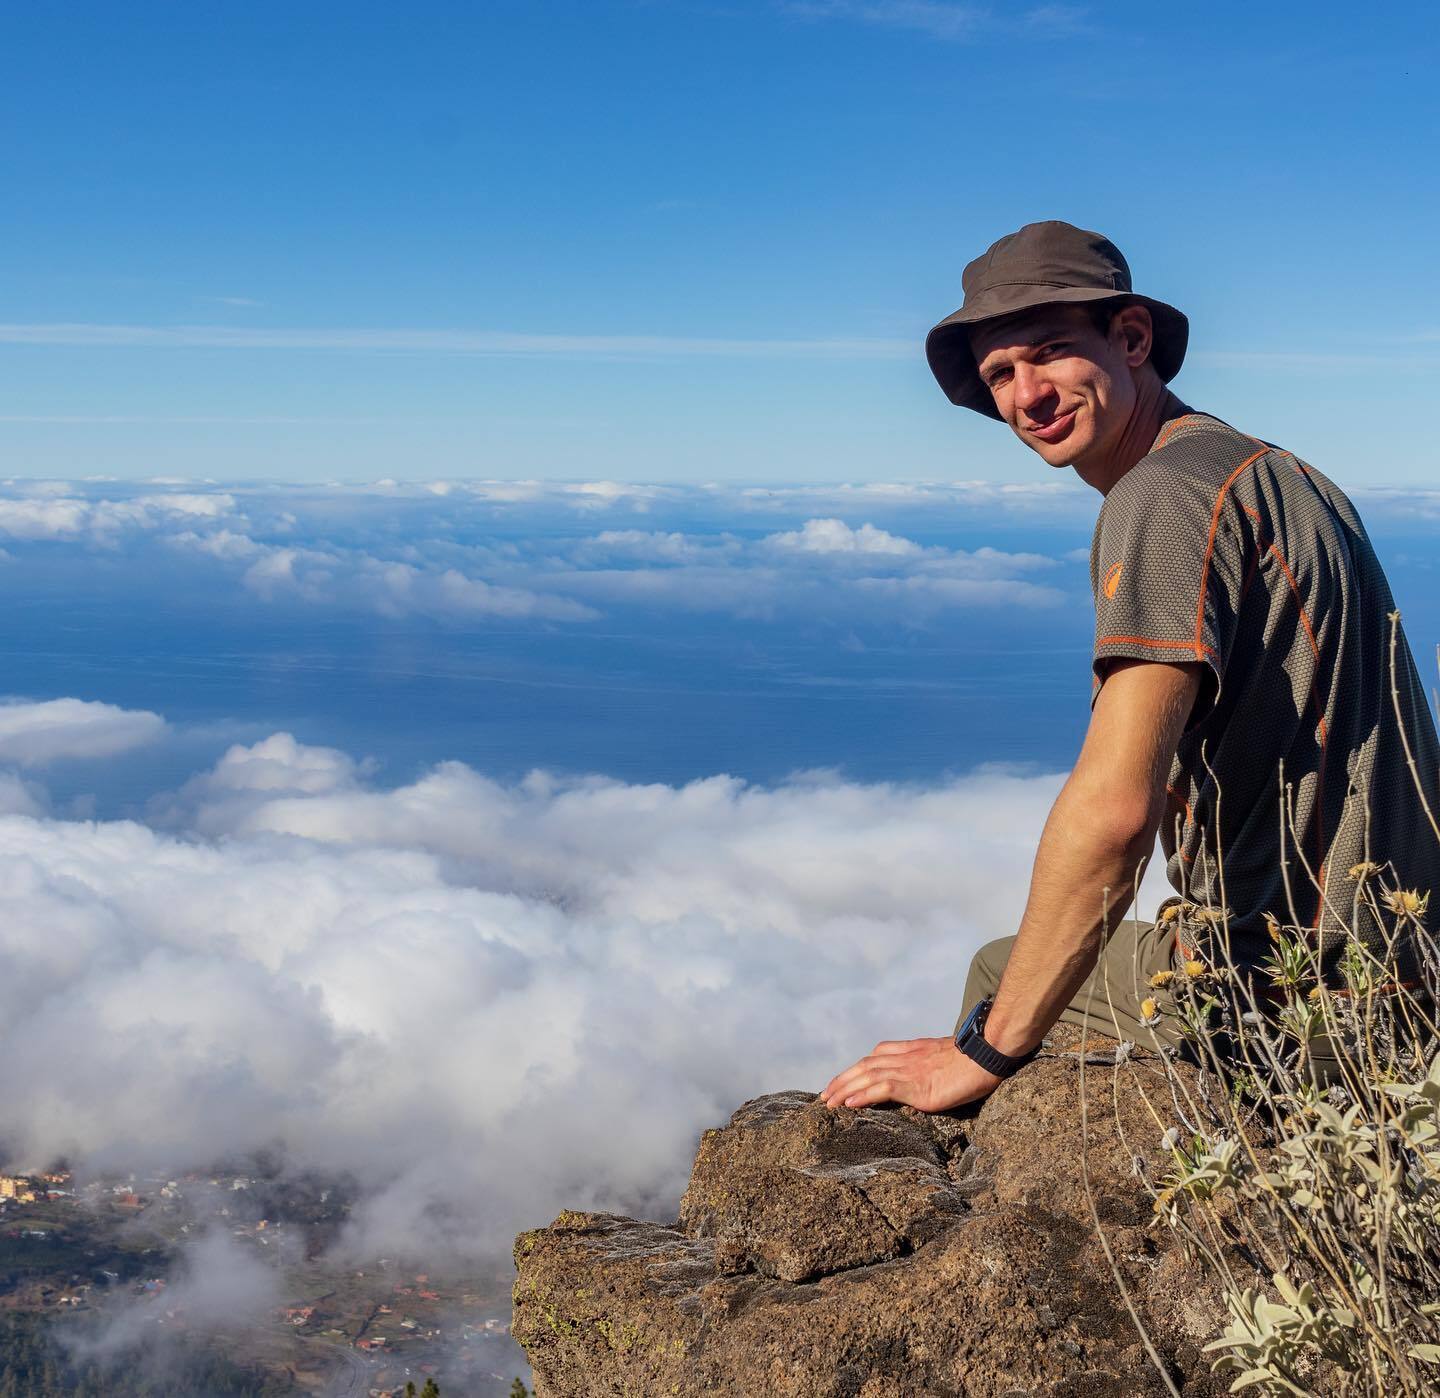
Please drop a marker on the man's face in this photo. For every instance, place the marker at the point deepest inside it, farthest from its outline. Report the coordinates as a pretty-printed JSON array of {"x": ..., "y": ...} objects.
[{"x": 1065, "y": 389}]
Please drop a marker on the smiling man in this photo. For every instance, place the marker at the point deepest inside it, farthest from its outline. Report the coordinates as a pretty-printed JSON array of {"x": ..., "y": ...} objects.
[{"x": 1241, "y": 629}]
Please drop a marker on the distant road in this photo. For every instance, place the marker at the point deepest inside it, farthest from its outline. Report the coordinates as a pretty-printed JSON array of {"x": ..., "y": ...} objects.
[{"x": 351, "y": 1377}]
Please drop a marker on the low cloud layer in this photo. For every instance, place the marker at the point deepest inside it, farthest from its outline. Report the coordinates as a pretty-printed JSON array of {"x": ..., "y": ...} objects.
[
  {"x": 484, "y": 999},
  {"x": 37, "y": 734},
  {"x": 544, "y": 554}
]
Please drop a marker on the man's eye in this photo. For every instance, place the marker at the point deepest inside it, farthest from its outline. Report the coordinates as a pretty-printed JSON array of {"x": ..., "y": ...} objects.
[
  {"x": 997, "y": 377},
  {"x": 1054, "y": 347}
]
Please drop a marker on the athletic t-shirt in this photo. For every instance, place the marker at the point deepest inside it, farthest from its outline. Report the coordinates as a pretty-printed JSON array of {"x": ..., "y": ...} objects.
[{"x": 1221, "y": 549}]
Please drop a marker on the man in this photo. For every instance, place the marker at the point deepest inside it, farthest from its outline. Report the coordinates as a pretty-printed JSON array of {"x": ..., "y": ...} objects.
[{"x": 1242, "y": 629}]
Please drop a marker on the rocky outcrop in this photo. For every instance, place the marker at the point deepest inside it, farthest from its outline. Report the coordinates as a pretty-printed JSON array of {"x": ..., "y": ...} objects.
[{"x": 888, "y": 1254}]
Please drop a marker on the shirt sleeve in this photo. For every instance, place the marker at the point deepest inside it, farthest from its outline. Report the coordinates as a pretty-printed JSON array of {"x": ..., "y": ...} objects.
[{"x": 1167, "y": 571}]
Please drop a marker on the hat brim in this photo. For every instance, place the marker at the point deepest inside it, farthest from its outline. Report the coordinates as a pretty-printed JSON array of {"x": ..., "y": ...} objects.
[{"x": 947, "y": 346}]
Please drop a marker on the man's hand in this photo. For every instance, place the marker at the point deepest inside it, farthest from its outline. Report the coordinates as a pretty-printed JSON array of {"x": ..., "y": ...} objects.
[{"x": 931, "y": 1074}]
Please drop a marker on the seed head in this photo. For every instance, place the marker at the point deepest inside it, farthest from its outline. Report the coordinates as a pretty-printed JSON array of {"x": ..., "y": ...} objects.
[
  {"x": 1408, "y": 902},
  {"x": 1162, "y": 978}
]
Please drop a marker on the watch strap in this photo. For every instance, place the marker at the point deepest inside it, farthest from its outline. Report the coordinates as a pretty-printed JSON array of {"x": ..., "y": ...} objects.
[{"x": 971, "y": 1041}]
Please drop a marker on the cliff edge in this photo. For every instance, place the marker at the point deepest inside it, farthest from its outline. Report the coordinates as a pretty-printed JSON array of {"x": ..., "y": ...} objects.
[{"x": 884, "y": 1253}]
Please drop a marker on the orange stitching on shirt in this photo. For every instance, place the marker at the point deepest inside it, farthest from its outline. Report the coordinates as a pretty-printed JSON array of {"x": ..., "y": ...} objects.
[
  {"x": 1189, "y": 814},
  {"x": 1201, "y": 651},
  {"x": 1200, "y": 647},
  {"x": 1169, "y": 431}
]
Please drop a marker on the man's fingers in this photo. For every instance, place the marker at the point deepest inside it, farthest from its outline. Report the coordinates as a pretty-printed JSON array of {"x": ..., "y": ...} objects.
[
  {"x": 845, "y": 1082},
  {"x": 866, "y": 1084},
  {"x": 872, "y": 1090}
]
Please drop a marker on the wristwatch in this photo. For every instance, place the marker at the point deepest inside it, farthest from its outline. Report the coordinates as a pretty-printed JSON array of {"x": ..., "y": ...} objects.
[{"x": 970, "y": 1040}]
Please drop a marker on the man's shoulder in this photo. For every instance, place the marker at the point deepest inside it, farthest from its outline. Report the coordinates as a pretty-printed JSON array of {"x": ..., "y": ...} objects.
[
  {"x": 1189, "y": 467},
  {"x": 1202, "y": 446}
]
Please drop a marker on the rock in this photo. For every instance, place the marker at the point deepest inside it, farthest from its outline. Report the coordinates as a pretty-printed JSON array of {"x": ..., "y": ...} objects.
[{"x": 885, "y": 1253}]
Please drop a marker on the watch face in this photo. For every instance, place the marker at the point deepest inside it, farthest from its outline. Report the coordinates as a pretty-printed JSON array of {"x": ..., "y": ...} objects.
[{"x": 973, "y": 1021}]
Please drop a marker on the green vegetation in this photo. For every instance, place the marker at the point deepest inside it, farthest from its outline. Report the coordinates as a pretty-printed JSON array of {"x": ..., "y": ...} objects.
[
  {"x": 34, "y": 1363},
  {"x": 1306, "y": 1172}
]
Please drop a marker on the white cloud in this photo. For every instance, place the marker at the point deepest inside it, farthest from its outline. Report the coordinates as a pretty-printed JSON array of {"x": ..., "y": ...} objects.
[
  {"x": 835, "y": 536},
  {"x": 458, "y": 987},
  {"x": 20, "y": 797},
  {"x": 225, "y": 544},
  {"x": 435, "y": 549},
  {"x": 215, "y": 1286},
  {"x": 57, "y": 516},
  {"x": 658, "y": 546},
  {"x": 36, "y": 734},
  {"x": 1043, "y": 498},
  {"x": 42, "y": 519},
  {"x": 203, "y": 506},
  {"x": 394, "y": 588}
]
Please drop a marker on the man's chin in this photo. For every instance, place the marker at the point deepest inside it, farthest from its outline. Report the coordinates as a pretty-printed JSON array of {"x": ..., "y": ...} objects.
[{"x": 1056, "y": 454}]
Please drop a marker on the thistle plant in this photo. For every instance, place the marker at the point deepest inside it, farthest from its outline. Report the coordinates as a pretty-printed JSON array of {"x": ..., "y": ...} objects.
[{"x": 1305, "y": 1173}]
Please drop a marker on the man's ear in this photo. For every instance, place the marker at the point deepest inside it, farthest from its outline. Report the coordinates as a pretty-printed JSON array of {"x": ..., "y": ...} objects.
[{"x": 1136, "y": 331}]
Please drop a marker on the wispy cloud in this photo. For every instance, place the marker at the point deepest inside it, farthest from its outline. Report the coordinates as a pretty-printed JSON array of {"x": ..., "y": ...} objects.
[
  {"x": 501, "y": 343},
  {"x": 125, "y": 419},
  {"x": 937, "y": 18},
  {"x": 1302, "y": 361},
  {"x": 949, "y": 20}
]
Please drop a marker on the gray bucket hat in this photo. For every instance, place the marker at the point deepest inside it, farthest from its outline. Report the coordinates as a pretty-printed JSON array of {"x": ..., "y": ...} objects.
[{"x": 1043, "y": 264}]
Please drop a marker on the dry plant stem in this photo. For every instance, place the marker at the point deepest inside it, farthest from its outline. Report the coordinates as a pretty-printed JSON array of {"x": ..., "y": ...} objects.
[
  {"x": 1400, "y": 724},
  {"x": 1332, "y": 1189},
  {"x": 1090, "y": 1192}
]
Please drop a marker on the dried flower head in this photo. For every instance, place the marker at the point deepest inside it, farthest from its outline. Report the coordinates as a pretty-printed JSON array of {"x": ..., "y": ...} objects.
[
  {"x": 1162, "y": 978},
  {"x": 1149, "y": 1012},
  {"x": 1272, "y": 926},
  {"x": 1409, "y": 902},
  {"x": 1194, "y": 969},
  {"x": 1362, "y": 870}
]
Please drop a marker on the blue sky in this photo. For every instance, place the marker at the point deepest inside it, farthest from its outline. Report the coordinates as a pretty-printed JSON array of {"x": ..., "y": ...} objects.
[
  {"x": 684, "y": 241},
  {"x": 481, "y": 544}
]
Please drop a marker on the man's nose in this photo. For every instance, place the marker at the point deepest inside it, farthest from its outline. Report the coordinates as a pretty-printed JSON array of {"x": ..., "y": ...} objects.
[{"x": 1031, "y": 387}]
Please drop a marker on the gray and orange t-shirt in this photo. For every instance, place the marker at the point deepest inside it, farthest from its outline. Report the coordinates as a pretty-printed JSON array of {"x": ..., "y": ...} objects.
[{"x": 1220, "y": 549}]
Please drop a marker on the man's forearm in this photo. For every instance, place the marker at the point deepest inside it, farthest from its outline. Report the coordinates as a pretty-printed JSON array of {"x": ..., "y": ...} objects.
[{"x": 1093, "y": 842}]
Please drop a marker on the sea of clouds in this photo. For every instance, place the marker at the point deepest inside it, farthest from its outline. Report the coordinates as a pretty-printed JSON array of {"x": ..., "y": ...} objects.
[
  {"x": 526, "y": 551},
  {"x": 486, "y": 1001}
]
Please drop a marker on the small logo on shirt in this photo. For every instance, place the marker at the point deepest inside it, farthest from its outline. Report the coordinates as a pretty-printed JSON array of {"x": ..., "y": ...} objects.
[{"x": 1112, "y": 578}]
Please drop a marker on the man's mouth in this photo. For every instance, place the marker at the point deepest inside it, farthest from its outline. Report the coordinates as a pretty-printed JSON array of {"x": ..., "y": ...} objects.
[{"x": 1055, "y": 429}]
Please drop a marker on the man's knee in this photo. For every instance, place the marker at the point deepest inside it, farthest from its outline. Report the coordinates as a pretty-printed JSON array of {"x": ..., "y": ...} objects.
[{"x": 986, "y": 968}]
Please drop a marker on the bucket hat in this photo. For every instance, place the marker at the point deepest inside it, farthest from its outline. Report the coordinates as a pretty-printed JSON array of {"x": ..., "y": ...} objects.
[{"x": 1043, "y": 264}]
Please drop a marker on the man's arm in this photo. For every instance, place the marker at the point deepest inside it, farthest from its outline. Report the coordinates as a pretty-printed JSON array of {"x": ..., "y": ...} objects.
[{"x": 1102, "y": 825}]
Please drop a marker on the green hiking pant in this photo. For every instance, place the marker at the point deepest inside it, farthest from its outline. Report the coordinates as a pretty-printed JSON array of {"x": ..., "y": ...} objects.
[
  {"x": 1112, "y": 992},
  {"x": 1109, "y": 1000}
]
